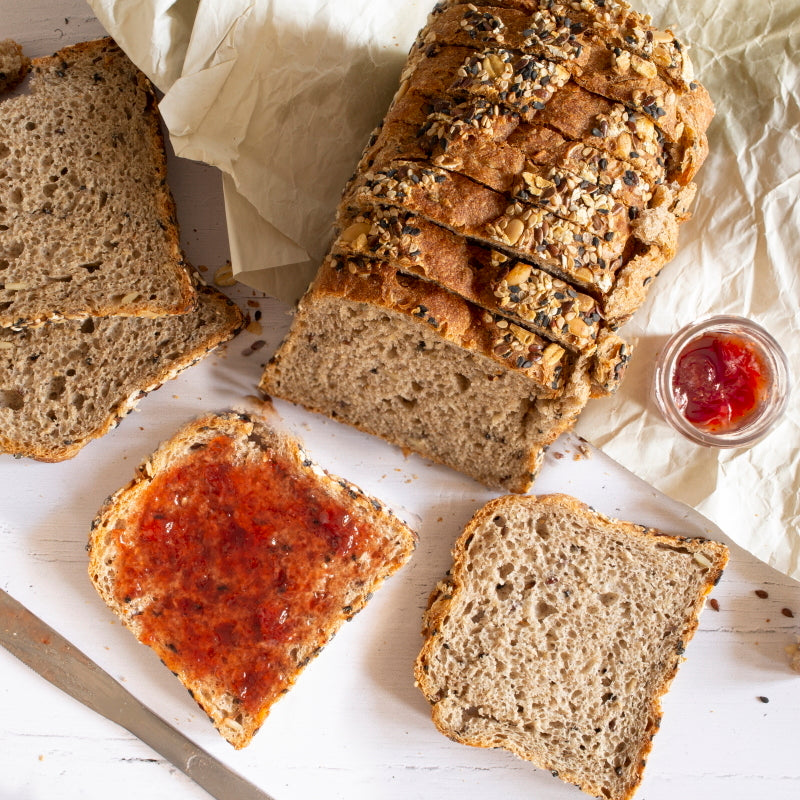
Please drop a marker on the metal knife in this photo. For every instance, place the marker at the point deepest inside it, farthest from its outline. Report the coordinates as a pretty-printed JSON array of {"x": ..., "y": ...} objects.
[{"x": 54, "y": 658}]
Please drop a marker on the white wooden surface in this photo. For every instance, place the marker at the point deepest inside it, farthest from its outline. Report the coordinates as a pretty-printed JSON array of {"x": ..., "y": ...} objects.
[{"x": 354, "y": 726}]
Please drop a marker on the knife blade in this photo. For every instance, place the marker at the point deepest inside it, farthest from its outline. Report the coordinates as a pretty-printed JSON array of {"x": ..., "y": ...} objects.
[{"x": 48, "y": 653}]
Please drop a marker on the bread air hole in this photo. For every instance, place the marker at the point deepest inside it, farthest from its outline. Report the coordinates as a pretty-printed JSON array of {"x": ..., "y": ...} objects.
[
  {"x": 544, "y": 610},
  {"x": 609, "y": 598},
  {"x": 11, "y": 398},
  {"x": 57, "y": 387}
]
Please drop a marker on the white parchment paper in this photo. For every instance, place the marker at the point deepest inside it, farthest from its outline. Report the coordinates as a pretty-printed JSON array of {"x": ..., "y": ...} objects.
[{"x": 282, "y": 94}]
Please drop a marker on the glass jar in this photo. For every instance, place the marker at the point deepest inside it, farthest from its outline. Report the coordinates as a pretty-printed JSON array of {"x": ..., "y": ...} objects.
[{"x": 722, "y": 381}]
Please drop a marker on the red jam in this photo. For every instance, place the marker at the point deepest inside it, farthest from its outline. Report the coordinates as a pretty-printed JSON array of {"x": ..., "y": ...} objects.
[
  {"x": 240, "y": 564},
  {"x": 720, "y": 381}
]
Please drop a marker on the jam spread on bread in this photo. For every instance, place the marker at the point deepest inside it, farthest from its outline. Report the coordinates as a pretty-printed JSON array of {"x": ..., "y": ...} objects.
[
  {"x": 236, "y": 562},
  {"x": 720, "y": 382}
]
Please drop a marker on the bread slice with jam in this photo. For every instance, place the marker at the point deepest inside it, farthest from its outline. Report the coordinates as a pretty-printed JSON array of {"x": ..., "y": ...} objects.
[{"x": 236, "y": 559}]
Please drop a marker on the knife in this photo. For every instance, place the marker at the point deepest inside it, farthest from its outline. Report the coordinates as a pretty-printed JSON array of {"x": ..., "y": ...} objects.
[{"x": 47, "y": 652}]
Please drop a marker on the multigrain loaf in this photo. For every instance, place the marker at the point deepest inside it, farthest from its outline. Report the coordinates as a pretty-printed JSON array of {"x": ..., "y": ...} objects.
[
  {"x": 428, "y": 372},
  {"x": 180, "y": 575},
  {"x": 556, "y": 633},
  {"x": 493, "y": 147},
  {"x": 87, "y": 222},
  {"x": 566, "y": 128},
  {"x": 536, "y": 162},
  {"x": 63, "y": 384}
]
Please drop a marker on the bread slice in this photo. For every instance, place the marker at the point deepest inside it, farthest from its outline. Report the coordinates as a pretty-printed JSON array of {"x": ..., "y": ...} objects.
[
  {"x": 557, "y": 631},
  {"x": 577, "y": 254},
  {"x": 87, "y": 222},
  {"x": 519, "y": 297},
  {"x": 490, "y": 145},
  {"x": 237, "y": 586},
  {"x": 428, "y": 372},
  {"x": 63, "y": 384}
]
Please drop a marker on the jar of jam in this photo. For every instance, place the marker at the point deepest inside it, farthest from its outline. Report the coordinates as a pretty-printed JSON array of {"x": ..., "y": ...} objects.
[{"x": 722, "y": 382}]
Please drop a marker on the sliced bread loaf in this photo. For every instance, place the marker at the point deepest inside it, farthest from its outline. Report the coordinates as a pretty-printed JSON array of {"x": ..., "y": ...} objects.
[
  {"x": 63, "y": 384},
  {"x": 243, "y": 580},
  {"x": 557, "y": 631},
  {"x": 87, "y": 222}
]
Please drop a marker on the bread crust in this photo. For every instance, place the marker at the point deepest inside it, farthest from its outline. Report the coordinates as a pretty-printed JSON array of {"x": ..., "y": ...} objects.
[
  {"x": 706, "y": 557},
  {"x": 478, "y": 274},
  {"x": 14, "y": 65},
  {"x": 256, "y": 441}
]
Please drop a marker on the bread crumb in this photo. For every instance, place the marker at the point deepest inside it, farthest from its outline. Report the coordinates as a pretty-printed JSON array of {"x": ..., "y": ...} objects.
[
  {"x": 794, "y": 656},
  {"x": 224, "y": 275}
]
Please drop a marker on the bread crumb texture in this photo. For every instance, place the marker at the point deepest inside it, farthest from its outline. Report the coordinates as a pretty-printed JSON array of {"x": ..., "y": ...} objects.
[
  {"x": 557, "y": 631},
  {"x": 63, "y": 384}
]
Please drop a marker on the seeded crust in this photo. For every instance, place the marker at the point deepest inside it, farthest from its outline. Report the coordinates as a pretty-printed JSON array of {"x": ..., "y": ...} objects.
[
  {"x": 502, "y": 153},
  {"x": 256, "y": 442},
  {"x": 582, "y": 257},
  {"x": 548, "y": 306},
  {"x": 556, "y": 633},
  {"x": 87, "y": 222},
  {"x": 627, "y": 60},
  {"x": 626, "y": 134},
  {"x": 426, "y": 386},
  {"x": 611, "y": 22},
  {"x": 588, "y": 260},
  {"x": 63, "y": 384},
  {"x": 506, "y": 67},
  {"x": 14, "y": 65}
]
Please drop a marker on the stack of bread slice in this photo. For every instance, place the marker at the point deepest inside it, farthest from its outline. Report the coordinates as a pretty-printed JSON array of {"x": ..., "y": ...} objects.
[
  {"x": 524, "y": 189},
  {"x": 97, "y": 305}
]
